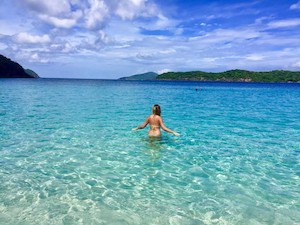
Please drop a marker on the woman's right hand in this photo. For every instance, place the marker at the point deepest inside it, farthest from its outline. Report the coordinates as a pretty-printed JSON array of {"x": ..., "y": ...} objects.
[{"x": 176, "y": 134}]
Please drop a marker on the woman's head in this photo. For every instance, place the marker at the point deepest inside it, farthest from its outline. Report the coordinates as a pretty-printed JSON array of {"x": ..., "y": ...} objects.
[{"x": 156, "y": 110}]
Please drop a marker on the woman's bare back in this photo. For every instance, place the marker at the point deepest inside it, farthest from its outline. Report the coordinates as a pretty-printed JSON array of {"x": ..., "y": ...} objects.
[{"x": 154, "y": 122}]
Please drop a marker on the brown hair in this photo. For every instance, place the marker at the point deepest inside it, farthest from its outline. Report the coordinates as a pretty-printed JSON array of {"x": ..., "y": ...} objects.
[{"x": 156, "y": 110}]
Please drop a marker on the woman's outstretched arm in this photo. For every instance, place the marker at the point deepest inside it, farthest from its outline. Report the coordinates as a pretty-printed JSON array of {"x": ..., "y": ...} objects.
[
  {"x": 143, "y": 125},
  {"x": 167, "y": 129}
]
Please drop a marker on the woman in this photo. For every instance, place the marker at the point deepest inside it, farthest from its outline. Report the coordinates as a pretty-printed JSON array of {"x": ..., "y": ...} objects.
[{"x": 156, "y": 123}]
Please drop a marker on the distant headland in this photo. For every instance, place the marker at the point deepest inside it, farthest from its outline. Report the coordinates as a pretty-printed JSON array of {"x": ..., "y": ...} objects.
[
  {"x": 11, "y": 69},
  {"x": 275, "y": 76},
  {"x": 143, "y": 76}
]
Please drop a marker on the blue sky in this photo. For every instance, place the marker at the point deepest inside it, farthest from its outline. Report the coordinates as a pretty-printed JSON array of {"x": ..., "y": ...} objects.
[{"x": 108, "y": 39}]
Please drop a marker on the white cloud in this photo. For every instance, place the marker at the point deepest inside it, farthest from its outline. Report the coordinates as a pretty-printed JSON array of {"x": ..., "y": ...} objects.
[
  {"x": 31, "y": 39},
  {"x": 296, "y": 64},
  {"x": 124, "y": 31},
  {"x": 31, "y": 56},
  {"x": 58, "y": 13},
  {"x": 130, "y": 9},
  {"x": 51, "y": 8},
  {"x": 3, "y": 46},
  {"x": 103, "y": 37},
  {"x": 222, "y": 36},
  {"x": 209, "y": 60},
  {"x": 91, "y": 14},
  {"x": 67, "y": 48},
  {"x": 9, "y": 28},
  {"x": 35, "y": 57},
  {"x": 164, "y": 22},
  {"x": 100, "y": 12},
  {"x": 96, "y": 14},
  {"x": 295, "y": 6},
  {"x": 254, "y": 57},
  {"x": 284, "y": 23},
  {"x": 58, "y": 22},
  {"x": 64, "y": 47},
  {"x": 163, "y": 71}
]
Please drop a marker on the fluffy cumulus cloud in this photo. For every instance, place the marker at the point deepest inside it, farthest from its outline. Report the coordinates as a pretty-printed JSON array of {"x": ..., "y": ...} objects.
[
  {"x": 58, "y": 13},
  {"x": 69, "y": 22},
  {"x": 53, "y": 7},
  {"x": 99, "y": 12},
  {"x": 73, "y": 26},
  {"x": 32, "y": 39},
  {"x": 93, "y": 14},
  {"x": 133, "y": 8},
  {"x": 96, "y": 14},
  {"x": 31, "y": 56}
]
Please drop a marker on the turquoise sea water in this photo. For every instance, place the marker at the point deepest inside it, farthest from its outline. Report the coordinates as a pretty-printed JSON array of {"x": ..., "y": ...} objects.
[{"x": 68, "y": 154}]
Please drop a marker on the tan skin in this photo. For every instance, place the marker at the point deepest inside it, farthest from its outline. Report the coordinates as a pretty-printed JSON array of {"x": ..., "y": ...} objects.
[{"x": 156, "y": 123}]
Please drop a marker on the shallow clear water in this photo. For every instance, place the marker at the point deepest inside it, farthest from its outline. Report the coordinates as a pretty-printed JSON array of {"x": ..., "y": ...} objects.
[{"x": 69, "y": 156}]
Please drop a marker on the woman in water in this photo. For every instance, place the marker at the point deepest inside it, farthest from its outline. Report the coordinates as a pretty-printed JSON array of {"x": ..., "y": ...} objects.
[{"x": 156, "y": 123}]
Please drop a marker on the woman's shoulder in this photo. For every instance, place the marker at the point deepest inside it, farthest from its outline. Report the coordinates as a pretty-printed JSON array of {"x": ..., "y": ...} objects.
[
  {"x": 154, "y": 117},
  {"x": 150, "y": 117}
]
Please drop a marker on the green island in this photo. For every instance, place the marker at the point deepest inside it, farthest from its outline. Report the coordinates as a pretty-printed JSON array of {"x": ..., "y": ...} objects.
[
  {"x": 11, "y": 69},
  {"x": 234, "y": 76},
  {"x": 275, "y": 76}
]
